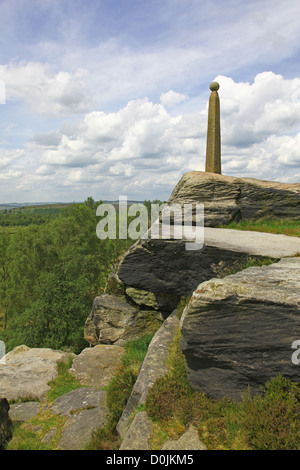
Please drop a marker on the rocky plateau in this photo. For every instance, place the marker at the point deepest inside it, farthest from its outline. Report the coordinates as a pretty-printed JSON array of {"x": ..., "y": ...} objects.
[{"x": 236, "y": 330}]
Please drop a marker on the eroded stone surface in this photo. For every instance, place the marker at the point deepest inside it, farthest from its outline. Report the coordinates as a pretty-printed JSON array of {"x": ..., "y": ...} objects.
[
  {"x": 96, "y": 366},
  {"x": 165, "y": 266},
  {"x": 25, "y": 372},
  {"x": 228, "y": 198},
  {"x": 113, "y": 320},
  {"x": 137, "y": 437},
  {"x": 86, "y": 411},
  {"x": 238, "y": 331},
  {"x": 21, "y": 412},
  {"x": 78, "y": 399}
]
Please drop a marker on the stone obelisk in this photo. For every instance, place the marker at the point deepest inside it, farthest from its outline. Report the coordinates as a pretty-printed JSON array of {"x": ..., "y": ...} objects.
[{"x": 213, "y": 143}]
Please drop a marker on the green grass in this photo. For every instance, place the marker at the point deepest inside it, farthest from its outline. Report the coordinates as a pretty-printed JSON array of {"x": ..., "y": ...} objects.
[
  {"x": 284, "y": 227},
  {"x": 29, "y": 435},
  {"x": 64, "y": 382},
  {"x": 25, "y": 439}
]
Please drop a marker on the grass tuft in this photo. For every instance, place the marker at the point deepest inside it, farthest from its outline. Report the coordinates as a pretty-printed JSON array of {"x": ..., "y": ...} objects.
[
  {"x": 64, "y": 382},
  {"x": 285, "y": 227}
]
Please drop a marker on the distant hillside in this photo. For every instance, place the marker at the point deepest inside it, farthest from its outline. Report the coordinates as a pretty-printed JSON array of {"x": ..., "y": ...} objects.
[{"x": 27, "y": 205}]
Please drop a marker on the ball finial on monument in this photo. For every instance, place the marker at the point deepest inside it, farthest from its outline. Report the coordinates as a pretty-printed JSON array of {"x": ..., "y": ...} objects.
[{"x": 214, "y": 86}]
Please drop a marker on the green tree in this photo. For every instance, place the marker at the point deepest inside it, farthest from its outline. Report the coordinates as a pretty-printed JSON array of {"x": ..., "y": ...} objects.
[
  {"x": 4, "y": 277},
  {"x": 52, "y": 273}
]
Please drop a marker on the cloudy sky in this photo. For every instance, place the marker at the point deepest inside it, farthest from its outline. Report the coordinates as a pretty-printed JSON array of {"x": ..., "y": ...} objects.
[{"x": 104, "y": 98}]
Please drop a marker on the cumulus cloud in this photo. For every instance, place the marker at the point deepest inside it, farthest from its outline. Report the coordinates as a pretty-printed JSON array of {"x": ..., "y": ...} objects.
[
  {"x": 9, "y": 156},
  {"x": 141, "y": 130},
  {"x": 252, "y": 112},
  {"x": 171, "y": 98},
  {"x": 46, "y": 92}
]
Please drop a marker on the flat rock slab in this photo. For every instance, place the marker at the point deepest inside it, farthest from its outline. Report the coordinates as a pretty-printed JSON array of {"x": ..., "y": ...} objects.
[
  {"x": 79, "y": 399},
  {"x": 86, "y": 411},
  {"x": 96, "y": 366},
  {"x": 238, "y": 331},
  {"x": 25, "y": 372},
  {"x": 165, "y": 266},
  {"x": 254, "y": 243},
  {"x": 79, "y": 428},
  {"x": 21, "y": 412}
]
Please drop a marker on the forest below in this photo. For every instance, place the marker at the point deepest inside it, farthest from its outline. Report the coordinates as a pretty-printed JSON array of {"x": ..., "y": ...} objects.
[{"x": 52, "y": 265}]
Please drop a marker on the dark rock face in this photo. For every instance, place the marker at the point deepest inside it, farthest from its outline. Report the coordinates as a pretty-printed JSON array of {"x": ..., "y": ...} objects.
[
  {"x": 227, "y": 198},
  {"x": 164, "y": 266},
  {"x": 5, "y": 422},
  {"x": 238, "y": 331}
]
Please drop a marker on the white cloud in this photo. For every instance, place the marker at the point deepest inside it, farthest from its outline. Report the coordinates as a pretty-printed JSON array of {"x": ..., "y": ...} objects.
[
  {"x": 9, "y": 156},
  {"x": 252, "y": 112},
  {"x": 287, "y": 149},
  {"x": 171, "y": 98},
  {"x": 10, "y": 174},
  {"x": 46, "y": 92},
  {"x": 125, "y": 169}
]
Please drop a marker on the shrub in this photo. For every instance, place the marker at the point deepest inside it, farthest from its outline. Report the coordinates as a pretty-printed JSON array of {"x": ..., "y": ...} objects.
[{"x": 271, "y": 420}]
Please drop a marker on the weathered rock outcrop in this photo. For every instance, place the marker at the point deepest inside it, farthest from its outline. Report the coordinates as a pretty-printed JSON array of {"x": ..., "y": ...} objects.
[
  {"x": 238, "y": 331},
  {"x": 139, "y": 433},
  {"x": 24, "y": 411},
  {"x": 5, "y": 422},
  {"x": 115, "y": 320},
  {"x": 95, "y": 367},
  {"x": 227, "y": 198},
  {"x": 86, "y": 411},
  {"x": 154, "y": 273},
  {"x": 165, "y": 267},
  {"x": 25, "y": 372}
]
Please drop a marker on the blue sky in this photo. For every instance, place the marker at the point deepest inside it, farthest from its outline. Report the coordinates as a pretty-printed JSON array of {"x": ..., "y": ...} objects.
[{"x": 107, "y": 98}]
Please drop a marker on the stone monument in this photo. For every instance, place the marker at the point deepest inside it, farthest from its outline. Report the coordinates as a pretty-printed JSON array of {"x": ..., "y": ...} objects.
[{"x": 213, "y": 143}]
